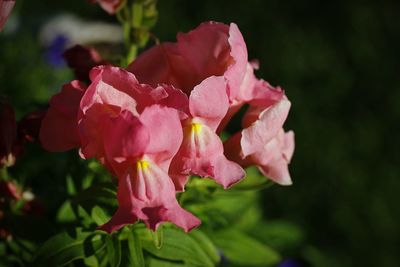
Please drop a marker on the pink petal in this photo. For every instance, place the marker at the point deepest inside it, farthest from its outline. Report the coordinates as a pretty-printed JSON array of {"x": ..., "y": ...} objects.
[
  {"x": 236, "y": 71},
  {"x": 265, "y": 128},
  {"x": 165, "y": 133},
  {"x": 125, "y": 213},
  {"x": 277, "y": 171},
  {"x": 125, "y": 136},
  {"x": 147, "y": 193},
  {"x": 265, "y": 95},
  {"x": 209, "y": 101},
  {"x": 164, "y": 64},
  {"x": 212, "y": 49},
  {"x": 201, "y": 154},
  {"x": 206, "y": 49},
  {"x": 112, "y": 86},
  {"x": 172, "y": 97},
  {"x": 275, "y": 156},
  {"x": 226, "y": 172},
  {"x": 58, "y": 131},
  {"x": 233, "y": 150}
]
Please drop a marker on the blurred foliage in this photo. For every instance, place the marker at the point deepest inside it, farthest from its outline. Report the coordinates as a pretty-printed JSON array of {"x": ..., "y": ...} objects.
[{"x": 339, "y": 64}]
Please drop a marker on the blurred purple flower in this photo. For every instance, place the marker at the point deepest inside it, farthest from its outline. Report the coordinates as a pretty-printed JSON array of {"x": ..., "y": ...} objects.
[{"x": 54, "y": 52}]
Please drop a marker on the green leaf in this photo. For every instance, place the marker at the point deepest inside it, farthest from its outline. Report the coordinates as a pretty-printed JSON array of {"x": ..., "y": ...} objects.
[
  {"x": 280, "y": 235},
  {"x": 99, "y": 216},
  {"x": 135, "y": 250},
  {"x": 113, "y": 250},
  {"x": 206, "y": 244},
  {"x": 64, "y": 248},
  {"x": 71, "y": 188},
  {"x": 99, "y": 194},
  {"x": 65, "y": 213},
  {"x": 243, "y": 250},
  {"x": 177, "y": 246}
]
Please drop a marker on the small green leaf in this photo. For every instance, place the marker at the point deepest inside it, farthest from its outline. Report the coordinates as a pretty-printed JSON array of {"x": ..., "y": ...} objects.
[
  {"x": 177, "y": 246},
  {"x": 243, "y": 250},
  {"x": 206, "y": 244},
  {"x": 280, "y": 235},
  {"x": 64, "y": 248},
  {"x": 113, "y": 250},
  {"x": 135, "y": 250},
  {"x": 65, "y": 213},
  {"x": 99, "y": 216},
  {"x": 71, "y": 188}
]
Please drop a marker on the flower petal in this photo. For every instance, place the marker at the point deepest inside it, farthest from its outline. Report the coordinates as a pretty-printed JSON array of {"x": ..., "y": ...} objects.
[
  {"x": 58, "y": 131},
  {"x": 201, "y": 154},
  {"x": 147, "y": 193},
  {"x": 165, "y": 132},
  {"x": 267, "y": 126},
  {"x": 209, "y": 102}
]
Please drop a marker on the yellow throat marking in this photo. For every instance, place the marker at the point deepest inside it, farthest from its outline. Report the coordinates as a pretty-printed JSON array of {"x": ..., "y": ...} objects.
[
  {"x": 196, "y": 127},
  {"x": 142, "y": 165}
]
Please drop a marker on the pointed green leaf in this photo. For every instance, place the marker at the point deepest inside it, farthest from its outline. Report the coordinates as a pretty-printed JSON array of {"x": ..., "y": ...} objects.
[
  {"x": 177, "y": 246},
  {"x": 243, "y": 250},
  {"x": 99, "y": 216},
  {"x": 135, "y": 250},
  {"x": 206, "y": 244},
  {"x": 113, "y": 250},
  {"x": 64, "y": 248}
]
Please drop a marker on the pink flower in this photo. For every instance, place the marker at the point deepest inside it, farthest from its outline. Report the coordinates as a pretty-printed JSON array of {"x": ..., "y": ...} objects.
[
  {"x": 201, "y": 152},
  {"x": 263, "y": 142},
  {"x": 58, "y": 130},
  {"x": 6, "y": 7},
  {"x": 212, "y": 49},
  {"x": 130, "y": 128},
  {"x": 110, "y": 6}
]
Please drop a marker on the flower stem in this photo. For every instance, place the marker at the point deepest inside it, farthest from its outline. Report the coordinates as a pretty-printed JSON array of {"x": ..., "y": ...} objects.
[{"x": 137, "y": 18}]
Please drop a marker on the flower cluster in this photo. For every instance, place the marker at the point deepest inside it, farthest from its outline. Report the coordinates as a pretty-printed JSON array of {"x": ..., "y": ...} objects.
[{"x": 158, "y": 121}]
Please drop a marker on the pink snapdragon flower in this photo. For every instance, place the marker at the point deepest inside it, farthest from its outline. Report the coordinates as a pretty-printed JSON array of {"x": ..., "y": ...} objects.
[
  {"x": 121, "y": 125},
  {"x": 202, "y": 151},
  {"x": 6, "y": 7},
  {"x": 263, "y": 142},
  {"x": 215, "y": 49}
]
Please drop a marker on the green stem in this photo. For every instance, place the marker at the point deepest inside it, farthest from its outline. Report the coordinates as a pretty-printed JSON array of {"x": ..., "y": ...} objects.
[{"x": 137, "y": 18}]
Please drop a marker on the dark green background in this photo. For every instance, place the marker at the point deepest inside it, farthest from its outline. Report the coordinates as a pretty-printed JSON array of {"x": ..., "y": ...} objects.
[{"x": 339, "y": 63}]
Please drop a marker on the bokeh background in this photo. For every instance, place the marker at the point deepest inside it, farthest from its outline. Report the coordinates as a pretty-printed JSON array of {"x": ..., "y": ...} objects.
[{"x": 339, "y": 62}]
